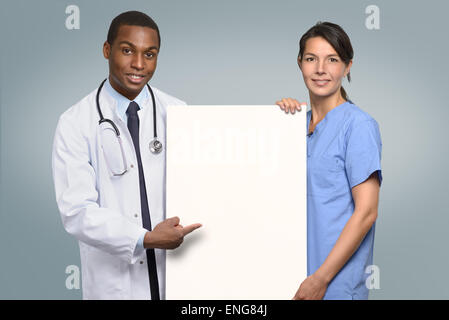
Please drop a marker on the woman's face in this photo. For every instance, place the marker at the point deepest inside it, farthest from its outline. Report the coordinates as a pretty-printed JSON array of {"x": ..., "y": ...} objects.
[{"x": 322, "y": 68}]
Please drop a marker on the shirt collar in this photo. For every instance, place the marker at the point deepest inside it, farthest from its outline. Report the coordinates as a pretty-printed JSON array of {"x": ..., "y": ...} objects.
[
  {"x": 123, "y": 102},
  {"x": 333, "y": 114}
]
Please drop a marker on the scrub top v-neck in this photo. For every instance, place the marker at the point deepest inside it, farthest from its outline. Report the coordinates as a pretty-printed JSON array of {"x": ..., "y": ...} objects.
[{"x": 342, "y": 152}]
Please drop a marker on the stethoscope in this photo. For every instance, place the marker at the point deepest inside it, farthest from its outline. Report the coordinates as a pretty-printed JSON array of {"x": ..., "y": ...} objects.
[{"x": 155, "y": 144}]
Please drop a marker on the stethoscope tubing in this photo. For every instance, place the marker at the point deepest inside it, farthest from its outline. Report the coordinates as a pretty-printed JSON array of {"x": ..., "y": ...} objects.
[{"x": 117, "y": 131}]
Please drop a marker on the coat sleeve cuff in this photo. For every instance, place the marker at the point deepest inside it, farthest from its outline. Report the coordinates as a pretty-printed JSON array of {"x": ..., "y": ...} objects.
[{"x": 139, "y": 249}]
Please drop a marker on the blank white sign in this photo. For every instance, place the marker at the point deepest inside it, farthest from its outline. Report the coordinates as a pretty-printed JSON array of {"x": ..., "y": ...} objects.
[{"x": 241, "y": 172}]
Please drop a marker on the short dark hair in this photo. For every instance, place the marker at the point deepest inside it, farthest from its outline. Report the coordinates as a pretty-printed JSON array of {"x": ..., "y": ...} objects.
[
  {"x": 131, "y": 18},
  {"x": 336, "y": 37}
]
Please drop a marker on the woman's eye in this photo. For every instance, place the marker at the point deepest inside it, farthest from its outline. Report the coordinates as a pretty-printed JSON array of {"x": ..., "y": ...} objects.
[
  {"x": 334, "y": 60},
  {"x": 309, "y": 59}
]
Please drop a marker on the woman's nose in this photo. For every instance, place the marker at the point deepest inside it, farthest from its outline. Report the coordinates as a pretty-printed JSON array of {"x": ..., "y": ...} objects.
[{"x": 321, "y": 67}]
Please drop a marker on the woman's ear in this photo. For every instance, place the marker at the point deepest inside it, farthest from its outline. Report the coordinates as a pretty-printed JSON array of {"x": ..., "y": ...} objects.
[
  {"x": 299, "y": 63},
  {"x": 348, "y": 68}
]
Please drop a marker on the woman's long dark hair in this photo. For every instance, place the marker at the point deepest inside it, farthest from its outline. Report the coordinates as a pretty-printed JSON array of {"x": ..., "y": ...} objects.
[{"x": 336, "y": 37}]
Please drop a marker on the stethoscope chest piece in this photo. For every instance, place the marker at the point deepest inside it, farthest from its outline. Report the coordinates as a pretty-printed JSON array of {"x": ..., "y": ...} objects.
[{"x": 155, "y": 146}]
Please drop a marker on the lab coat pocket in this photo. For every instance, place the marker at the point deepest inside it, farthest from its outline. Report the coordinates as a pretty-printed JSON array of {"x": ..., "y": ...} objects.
[
  {"x": 105, "y": 273},
  {"x": 113, "y": 152}
]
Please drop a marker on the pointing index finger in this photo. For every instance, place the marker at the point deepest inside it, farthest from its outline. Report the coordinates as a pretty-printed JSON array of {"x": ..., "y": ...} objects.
[{"x": 187, "y": 229}]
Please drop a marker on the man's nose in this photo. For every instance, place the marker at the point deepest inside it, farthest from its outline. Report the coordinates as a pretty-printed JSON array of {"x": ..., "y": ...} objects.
[{"x": 137, "y": 62}]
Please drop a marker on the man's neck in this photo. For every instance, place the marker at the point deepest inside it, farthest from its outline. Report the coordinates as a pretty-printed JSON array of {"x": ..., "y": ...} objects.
[{"x": 119, "y": 90}]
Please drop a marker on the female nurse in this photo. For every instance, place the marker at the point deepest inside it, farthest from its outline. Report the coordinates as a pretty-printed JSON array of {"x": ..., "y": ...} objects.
[{"x": 343, "y": 171}]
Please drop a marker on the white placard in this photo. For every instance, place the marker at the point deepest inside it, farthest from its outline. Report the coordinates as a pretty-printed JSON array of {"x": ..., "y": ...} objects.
[{"x": 241, "y": 172}]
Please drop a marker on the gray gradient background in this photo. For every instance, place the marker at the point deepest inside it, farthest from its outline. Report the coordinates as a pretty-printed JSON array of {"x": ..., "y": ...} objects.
[{"x": 230, "y": 52}]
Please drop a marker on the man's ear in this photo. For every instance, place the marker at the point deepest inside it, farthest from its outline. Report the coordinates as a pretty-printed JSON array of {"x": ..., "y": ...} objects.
[{"x": 106, "y": 49}]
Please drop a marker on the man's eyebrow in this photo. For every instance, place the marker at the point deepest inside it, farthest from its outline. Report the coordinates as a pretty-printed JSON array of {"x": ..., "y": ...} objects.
[{"x": 132, "y": 45}]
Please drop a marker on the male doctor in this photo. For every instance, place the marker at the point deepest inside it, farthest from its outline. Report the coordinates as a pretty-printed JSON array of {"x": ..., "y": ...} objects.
[{"x": 109, "y": 183}]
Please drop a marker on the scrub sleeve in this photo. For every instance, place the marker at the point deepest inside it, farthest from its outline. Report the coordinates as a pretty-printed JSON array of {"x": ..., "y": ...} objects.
[{"x": 363, "y": 152}]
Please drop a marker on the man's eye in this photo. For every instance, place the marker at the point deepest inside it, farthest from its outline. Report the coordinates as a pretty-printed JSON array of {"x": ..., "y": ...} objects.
[
  {"x": 150, "y": 55},
  {"x": 126, "y": 50}
]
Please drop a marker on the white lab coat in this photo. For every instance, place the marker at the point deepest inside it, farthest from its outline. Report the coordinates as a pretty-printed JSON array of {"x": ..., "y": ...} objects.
[{"x": 101, "y": 211}]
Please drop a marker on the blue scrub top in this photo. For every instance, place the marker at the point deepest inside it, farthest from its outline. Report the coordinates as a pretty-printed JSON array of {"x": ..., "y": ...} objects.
[{"x": 342, "y": 152}]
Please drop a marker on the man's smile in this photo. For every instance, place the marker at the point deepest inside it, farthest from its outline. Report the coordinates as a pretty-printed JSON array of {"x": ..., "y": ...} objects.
[{"x": 135, "y": 78}]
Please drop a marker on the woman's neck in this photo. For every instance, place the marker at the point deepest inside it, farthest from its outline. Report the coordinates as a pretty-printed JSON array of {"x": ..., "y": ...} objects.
[{"x": 321, "y": 106}]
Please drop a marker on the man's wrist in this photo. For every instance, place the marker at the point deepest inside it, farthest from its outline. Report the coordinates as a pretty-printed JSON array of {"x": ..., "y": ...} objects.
[{"x": 147, "y": 241}]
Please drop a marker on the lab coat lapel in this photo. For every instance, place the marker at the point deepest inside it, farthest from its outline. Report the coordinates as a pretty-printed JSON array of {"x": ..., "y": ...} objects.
[{"x": 109, "y": 109}]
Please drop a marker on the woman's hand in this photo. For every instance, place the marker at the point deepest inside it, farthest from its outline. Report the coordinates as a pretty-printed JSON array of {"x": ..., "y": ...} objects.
[
  {"x": 313, "y": 288},
  {"x": 290, "y": 104}
]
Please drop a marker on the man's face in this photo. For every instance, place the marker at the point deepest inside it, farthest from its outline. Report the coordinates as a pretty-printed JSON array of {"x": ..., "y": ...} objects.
[{"x": 132, "y": 59}]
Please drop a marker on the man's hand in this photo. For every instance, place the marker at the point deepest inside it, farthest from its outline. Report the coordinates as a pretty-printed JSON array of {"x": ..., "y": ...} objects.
[
  {"x": 290, "y": 104},
  {"x": 168, "y": 234}
]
